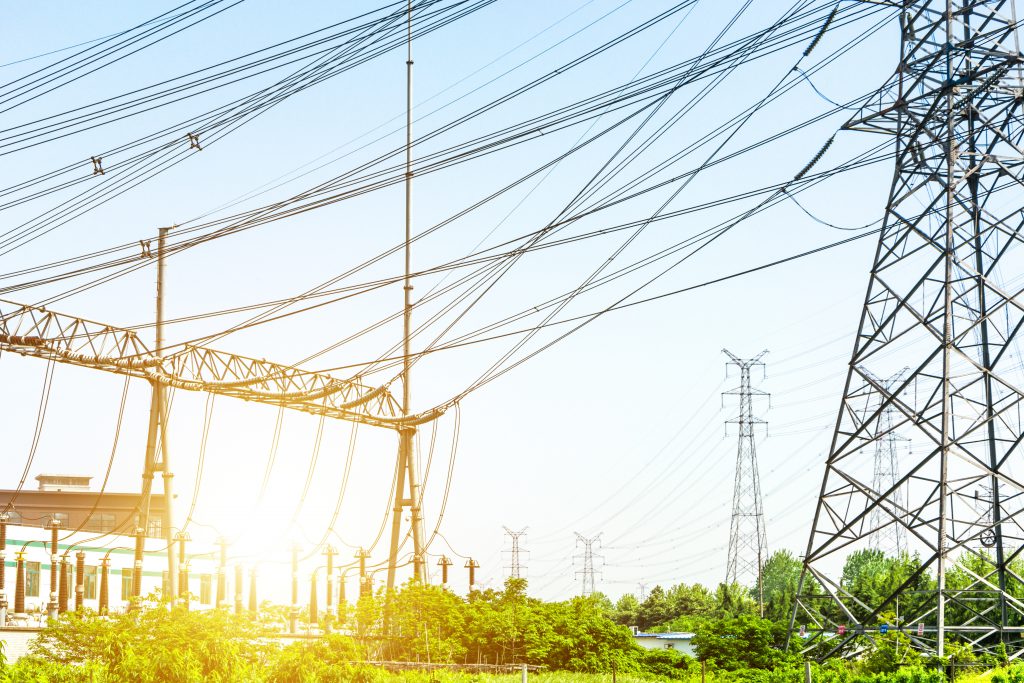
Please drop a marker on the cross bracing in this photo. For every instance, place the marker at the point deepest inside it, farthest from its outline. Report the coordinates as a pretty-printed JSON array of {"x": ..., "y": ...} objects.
[
  {"x": 33, "y": 331},
  {"x": 943, "y": 299}
]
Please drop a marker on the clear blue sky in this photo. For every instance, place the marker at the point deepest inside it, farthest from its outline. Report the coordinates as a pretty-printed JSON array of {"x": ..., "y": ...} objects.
[{"x": 619, "y": 428}]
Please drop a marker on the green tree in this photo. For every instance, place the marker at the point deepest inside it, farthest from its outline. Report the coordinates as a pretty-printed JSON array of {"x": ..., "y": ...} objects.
[
  {"x": 870, "y": 576},
  {"x": 157, "y": 643},
  {"x": 779, "y": 579},
  {"x": 733, "y": 643},
  {"x": 627, "y": 608},
  {"x": 733, "y": 600},
  {"x": 656, "y": 610}
]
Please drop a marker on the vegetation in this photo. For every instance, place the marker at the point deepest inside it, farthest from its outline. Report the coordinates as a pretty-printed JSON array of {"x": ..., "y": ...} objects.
[{"x": 581, "y": 639}]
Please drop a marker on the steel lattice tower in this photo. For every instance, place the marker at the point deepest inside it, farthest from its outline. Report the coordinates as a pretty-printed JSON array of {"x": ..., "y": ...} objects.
[
  {"x": 888, "y": 537},
  {"x": 588, "y": 573},
  {"x": 515, "y": 566},
  {"x": 943, "y": 298},
  {"x": 748, "y": 543}
]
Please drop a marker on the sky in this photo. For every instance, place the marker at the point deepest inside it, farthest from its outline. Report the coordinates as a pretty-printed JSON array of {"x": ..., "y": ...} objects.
[{"x": 617, "y": 430}]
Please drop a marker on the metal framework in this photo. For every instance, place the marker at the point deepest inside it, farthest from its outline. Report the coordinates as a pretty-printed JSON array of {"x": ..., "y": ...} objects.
[
  {"x": 589, "y": 572},
  {"x": 515, "y": 566},
  {"x": 748, "y": 542},
  {"x": 890, "y": 539},
  {"x": 40, "y": 333},
  {"x": 944, "y": 298},
  {"x": 33, "y": 331}
]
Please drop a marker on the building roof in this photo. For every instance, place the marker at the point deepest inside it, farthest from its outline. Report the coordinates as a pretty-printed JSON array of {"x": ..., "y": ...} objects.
[{"x": 671, "y": 635}]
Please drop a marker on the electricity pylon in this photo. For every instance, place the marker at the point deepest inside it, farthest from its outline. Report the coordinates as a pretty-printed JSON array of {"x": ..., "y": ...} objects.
[
  {"x": 588, "y": 573},
  {"x": 944, "y": 300},
  {"x": 748, "y": 544},
  {"x": 515, "y": 566},
  {"x": 888, "y": 537}
]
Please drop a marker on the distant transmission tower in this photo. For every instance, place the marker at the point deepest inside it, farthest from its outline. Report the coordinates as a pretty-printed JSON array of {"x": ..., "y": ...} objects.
[
  {"x": 588, "y": 573},
  {"x": 515, "y": 566},
  {"x": 748, "y": 543},
  {"x": 944, "y": 299},
  {"x": 888, "y": 536}
]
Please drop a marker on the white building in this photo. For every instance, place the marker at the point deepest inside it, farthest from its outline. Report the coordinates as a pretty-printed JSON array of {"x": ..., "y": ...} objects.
[{"x": 673, "y": 640}]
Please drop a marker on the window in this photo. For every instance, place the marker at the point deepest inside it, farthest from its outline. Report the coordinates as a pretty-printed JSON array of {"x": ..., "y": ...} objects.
[
  {"x": 126, "y": 584},
  {"x": 670, "y": 646},
  {"x": 101, "y": 521},
  {"x": 206, "y": 589},
  {"x": 32, "y": 579},
  {"x": 60, "y": 518},
  {"x": 90, "y": 582},
  {"x": 154, "y": 528}
]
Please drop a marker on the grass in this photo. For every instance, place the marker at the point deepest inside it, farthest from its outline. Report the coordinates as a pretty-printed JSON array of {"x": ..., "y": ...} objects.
[{"x": 556, "y": 677}]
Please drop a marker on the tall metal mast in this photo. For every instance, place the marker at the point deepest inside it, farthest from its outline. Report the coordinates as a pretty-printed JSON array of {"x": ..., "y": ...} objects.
[
  {"x": 943, "y": 299},
  {"x": 406, "y": 458},
  {"x": 157, "y": 448}
]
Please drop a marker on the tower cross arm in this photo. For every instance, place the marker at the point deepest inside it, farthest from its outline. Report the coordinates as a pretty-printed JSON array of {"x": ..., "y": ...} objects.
[{"x": 37, "y": 332}]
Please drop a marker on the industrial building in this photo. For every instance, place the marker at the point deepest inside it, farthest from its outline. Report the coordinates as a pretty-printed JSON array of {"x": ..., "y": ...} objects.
[{"x": 93, "y": 529}]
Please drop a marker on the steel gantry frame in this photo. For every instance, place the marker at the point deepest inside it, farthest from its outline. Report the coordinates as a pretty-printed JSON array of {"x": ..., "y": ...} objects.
[
  {"x": 40, "y": 333},
  {"x": 944, "y": 298}
]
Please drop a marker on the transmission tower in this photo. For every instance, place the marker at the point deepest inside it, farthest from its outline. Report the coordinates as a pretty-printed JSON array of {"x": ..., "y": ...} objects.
[
  {"x": 588, "y": 573},
  {"x": 515, "y": 566},
  {"x": 941, "y": 299},
  {"x": 888, "y": 537},
  {"x": 748, "y": 544}
]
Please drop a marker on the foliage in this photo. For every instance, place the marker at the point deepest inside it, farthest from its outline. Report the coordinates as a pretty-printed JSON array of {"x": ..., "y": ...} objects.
[
  {"x": 888, "y": 654},
  {"x": 331, "y": 659},
  {"x": 161, "y": 643},
  {"x": 667, "y": 664},
  {"x": 779, "y": 579},
  {"x": 743, "y": 642}
]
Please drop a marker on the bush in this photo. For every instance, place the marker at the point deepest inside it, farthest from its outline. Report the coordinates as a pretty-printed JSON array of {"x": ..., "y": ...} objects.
[
  {"x": 666, "y": 664},
  {"x": 332, "y": 659}
]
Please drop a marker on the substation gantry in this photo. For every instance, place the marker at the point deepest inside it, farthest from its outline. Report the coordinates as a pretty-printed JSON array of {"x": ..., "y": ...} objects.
[{"x": 40, "y": 333}]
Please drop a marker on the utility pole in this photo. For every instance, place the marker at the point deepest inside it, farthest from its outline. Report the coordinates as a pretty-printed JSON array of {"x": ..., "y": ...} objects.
[
  {"x": 748, "y": 544},
  {"x": 516, "y": 568},
  {"x": 643, "y": 591},
  {"x": 157, "y": 448},
  {"x": 588, "y": 573},
  {"x": 406, "y": 457},
  {"x": 942, "y": 299}
]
